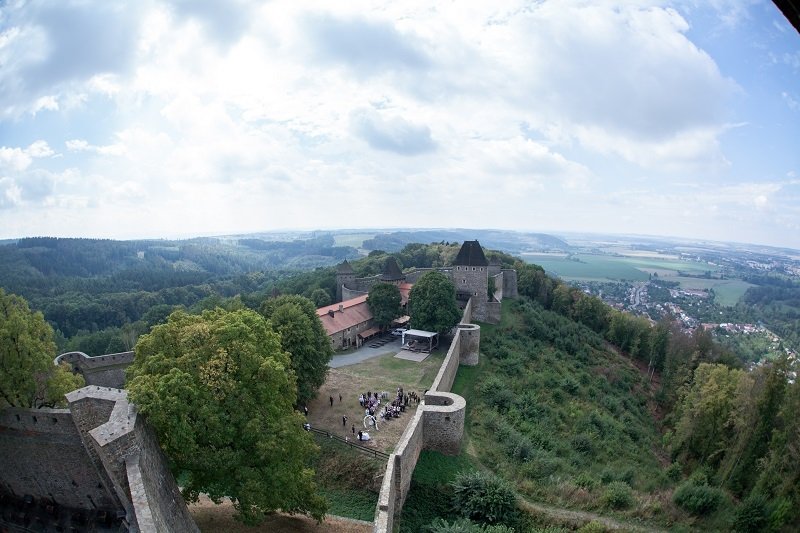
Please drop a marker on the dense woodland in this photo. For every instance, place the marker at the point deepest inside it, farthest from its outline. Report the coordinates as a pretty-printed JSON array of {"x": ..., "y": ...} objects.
[{"x": 594, "y": 408}]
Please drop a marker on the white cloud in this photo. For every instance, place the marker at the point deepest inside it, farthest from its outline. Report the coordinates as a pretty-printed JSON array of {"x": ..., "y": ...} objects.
[
  {"x": 18, "y": 159},
  {"x": 258, "y": 115}
]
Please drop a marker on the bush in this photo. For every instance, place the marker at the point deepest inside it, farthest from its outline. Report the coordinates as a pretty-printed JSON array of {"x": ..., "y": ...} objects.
[
  {"x": 462, "y": 525},
  {"x": 618, "y": 495},
  {"x": 592, "y": 527},
  {"x": 697, "y": 499},
  {"x": 585, "y": 481},
  {"x": 751, "y": 515},
  {"x": 674, "y": 471},
  {"x": 484, "y": 497},
  {"x": 582, "y": 443}
]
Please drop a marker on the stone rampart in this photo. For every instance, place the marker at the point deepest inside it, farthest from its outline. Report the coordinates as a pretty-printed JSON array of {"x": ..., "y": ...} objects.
[
  {"x": 470, "y": 341},
  {"x": 42, "y": 455},
  {"x": 98, "y": 456},
  {"x": 443, "y": 422},
  {"x": 348, "y": 294},
  {"x": 437, "y": 425},
  {"x": 126, "y": 445},
  {"x": 103, "y": 371},
  {"x": 510, "y": 283},
  {"x": 498, "y": 286}
]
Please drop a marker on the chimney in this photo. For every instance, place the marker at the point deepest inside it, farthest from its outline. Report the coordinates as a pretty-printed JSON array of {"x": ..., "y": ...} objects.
[
  {"x": 341, "y": 307},
  {"x": 330, "y": 313}
]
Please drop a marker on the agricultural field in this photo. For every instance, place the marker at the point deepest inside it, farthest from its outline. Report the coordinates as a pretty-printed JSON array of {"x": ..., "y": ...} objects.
[{"x": 587, "y": 267}]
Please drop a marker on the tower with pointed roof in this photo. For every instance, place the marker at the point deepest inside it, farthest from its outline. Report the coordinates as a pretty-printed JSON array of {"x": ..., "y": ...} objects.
[
  {"x": 345, "y": 275},
  {"x": 470, "y": 274},
  {"x": 391, "y": 272}
]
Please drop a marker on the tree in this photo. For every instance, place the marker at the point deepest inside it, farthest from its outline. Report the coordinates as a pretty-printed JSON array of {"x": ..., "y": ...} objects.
[
  {"x": 433, "y": 303},
  {"x": 28, "y": 377},
  {"x": 703, "y": 432},
  {"x": 320, "y": 297},
  {"x": 384, "y": 303},
  {"x": 304, "y": 338},
  {"x": 219, "y": 390}
]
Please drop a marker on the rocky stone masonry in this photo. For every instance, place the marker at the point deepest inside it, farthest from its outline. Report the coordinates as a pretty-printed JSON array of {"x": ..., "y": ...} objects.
[{"x": 97, "y": 458}]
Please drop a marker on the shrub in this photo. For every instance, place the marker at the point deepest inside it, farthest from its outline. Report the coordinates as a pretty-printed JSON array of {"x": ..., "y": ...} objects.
[
  {"x": 618, "y": 495},
  {"x": 585, "y": 481},
  {"x": 697, "y": 499},
  {"x": 582, "y": 443},
  {"x": 462, "y": 525},
  {"x": 751, "y": 515},
  {"x": 674, "y": 471},
  {"x": 592, "y": 527},
  {"x": 483, "y": 497}
]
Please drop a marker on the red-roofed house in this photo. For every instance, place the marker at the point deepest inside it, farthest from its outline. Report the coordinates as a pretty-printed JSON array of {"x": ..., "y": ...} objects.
[{"x": 347, "y": 323}]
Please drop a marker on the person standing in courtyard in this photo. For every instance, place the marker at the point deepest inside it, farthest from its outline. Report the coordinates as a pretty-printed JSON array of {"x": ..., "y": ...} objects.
[
  {"x": 331, "y": 399},
  {"x": 344, "y": 420}
]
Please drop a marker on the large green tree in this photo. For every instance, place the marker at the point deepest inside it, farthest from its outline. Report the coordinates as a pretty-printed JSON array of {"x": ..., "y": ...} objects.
[
  {"x": 384, "y": 303},
  {"x": 28, "y": 377},
  {"x": 219, "y": 391},
  {"x": 304, "y": 338},
  {"x": 433, "y": 303}
]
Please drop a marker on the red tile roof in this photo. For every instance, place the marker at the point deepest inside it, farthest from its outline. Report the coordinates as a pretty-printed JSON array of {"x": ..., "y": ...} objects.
[{"x": 354, "y": 312}]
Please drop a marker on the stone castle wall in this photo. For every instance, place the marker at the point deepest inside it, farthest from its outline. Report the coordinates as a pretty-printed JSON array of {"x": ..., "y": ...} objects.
[
  {"x": 103, "y": 371},
  {"x": 437, "y": 425},
  {"x": 96, "y": 456},
  {"x": 510, "y": 283},
  {"x": 42, "y": 455}
]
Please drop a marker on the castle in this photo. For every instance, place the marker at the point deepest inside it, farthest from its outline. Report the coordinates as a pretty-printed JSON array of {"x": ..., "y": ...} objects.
[{"x": 470, "y": 273}]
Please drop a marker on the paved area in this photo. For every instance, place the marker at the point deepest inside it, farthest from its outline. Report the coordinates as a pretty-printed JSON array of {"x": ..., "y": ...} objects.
[
  {"x": 365, "y": 352},
  {"x": 412, "y": 356}
]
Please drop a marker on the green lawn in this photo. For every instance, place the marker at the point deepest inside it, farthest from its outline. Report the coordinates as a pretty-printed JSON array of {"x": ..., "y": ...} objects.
[{"x": 728, "y": 291}]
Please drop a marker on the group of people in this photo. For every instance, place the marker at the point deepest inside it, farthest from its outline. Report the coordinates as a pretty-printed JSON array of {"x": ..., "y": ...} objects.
[{"x": 398, "y": 405}]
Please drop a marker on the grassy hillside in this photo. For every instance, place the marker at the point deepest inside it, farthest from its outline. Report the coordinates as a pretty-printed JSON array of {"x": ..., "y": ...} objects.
[{"x": 561, "y": 414}]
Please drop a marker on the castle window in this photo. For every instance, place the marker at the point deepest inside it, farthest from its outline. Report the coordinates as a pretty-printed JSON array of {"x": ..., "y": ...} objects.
[
  {"x": 481, "y": 269},
  {"x": 464, "y": 281},
  {"x": 473, "y": 269}
]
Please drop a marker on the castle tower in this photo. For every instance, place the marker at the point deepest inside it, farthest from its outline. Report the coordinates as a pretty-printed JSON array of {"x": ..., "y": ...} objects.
[
  {"x": 345, "y": 275},
  {"x": 391, "y": 272},
  {"x": 471, "y": 277}
]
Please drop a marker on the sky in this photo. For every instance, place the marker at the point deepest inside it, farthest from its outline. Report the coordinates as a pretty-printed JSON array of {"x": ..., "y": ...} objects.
[{"x": 183, "y": 118}]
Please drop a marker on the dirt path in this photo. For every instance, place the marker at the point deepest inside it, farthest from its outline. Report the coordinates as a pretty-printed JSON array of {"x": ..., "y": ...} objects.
[{"x": 578, "y": 518}]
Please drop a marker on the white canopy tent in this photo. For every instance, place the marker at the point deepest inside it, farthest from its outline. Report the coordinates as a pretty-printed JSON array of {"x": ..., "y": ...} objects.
[{"x": 419, "y": 340}]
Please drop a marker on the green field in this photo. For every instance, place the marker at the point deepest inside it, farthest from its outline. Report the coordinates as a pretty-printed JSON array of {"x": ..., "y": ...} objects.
[
  {"x": 586, "y": 267},
  {"x": 614, "y": 268},
  {"x": 727, "y": 291}
]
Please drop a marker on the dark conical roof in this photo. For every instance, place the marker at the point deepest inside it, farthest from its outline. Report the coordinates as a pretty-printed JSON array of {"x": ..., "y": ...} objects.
[
  {"x": 391, "y": 272},
  {"x": 344, "y": 268},
  {"x": 471, "y": 254}
]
